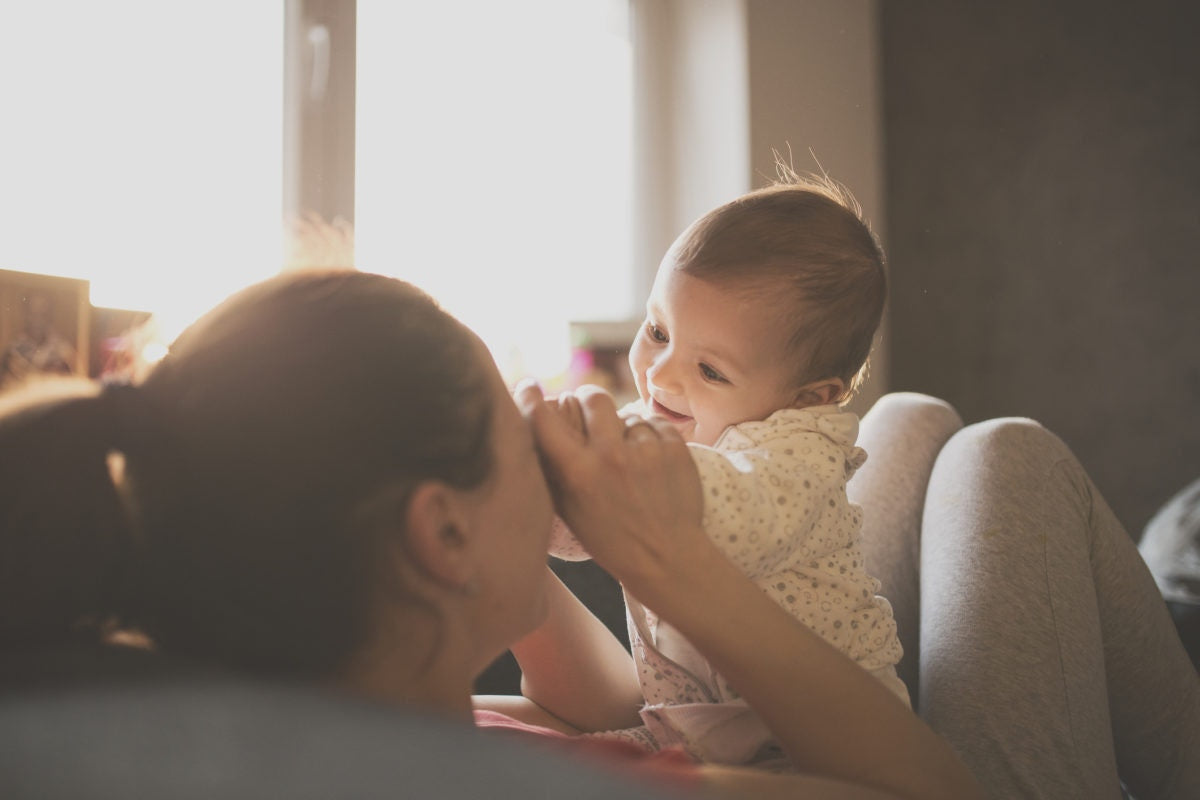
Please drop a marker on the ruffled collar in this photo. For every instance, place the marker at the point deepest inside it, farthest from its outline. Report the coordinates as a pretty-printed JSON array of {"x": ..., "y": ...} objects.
[{"x": 833, "y": 422}]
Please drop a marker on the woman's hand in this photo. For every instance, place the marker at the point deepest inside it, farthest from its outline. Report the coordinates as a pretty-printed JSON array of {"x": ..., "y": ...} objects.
[
  {"x": 570, "y": 411},
  {"x": 628, "y": 489}
]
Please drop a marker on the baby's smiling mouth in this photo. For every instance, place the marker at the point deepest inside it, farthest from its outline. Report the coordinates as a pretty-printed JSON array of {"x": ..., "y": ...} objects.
[{"x": 663, "y": 411}]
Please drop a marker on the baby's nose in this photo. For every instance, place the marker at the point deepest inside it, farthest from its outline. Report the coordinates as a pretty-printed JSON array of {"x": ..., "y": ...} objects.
[{"x": 664, "y": 373}]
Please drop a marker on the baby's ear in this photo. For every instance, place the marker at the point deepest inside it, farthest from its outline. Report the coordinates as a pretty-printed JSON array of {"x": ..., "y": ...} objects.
[{"x": 820, "y": 393}]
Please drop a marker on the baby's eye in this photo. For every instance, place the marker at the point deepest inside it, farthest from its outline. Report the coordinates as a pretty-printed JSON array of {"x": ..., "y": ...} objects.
[
  {"x": 711, "y": 374},
  {"x": 656, "y": 333}
]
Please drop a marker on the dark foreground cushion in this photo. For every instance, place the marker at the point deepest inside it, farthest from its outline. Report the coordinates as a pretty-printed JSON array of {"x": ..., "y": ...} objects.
[{"x": 214, "y": 738}]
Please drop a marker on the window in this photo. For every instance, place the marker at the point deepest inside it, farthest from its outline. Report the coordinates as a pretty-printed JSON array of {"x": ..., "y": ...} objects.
[
  {"x": 142, "y": 148},
  {"x": 493, "y": 164},
  {"x": 144, "y": 151}
]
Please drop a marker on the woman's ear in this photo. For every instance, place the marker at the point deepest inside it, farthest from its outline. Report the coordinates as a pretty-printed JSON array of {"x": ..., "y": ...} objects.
[
  {"x": 437, "y": 535},
  {"x": 820, "y": 393}
]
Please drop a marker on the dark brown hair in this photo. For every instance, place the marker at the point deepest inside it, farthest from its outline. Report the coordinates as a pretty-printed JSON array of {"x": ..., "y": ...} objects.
[
  {"x": 802, "y": 247},
  {"x": 249, "y": 453}
]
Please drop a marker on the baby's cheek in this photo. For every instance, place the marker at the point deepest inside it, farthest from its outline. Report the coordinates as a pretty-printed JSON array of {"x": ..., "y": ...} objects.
[
  {"x": 637, "y": 365},
  {"x": 705, "y": 433}
]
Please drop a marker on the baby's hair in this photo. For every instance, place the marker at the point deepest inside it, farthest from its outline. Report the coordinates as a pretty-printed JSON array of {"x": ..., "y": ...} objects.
[{"x": 803, "y": 246}]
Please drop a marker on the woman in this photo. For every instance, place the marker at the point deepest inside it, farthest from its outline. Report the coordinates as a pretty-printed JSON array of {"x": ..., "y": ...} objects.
[{"x": 327, "y": 481}]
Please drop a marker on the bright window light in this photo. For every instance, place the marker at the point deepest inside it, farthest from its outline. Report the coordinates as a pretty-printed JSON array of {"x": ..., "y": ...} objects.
[
  {"x": 142, "y": 148},
  {"x": 493, "y": 164}
]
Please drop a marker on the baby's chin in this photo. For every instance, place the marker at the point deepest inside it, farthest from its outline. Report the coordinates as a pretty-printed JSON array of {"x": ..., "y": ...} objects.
[
  {"x": 692, "y": 432},
  {"x": 698, "y": 432},
  {"x": 687, "y": 429}
]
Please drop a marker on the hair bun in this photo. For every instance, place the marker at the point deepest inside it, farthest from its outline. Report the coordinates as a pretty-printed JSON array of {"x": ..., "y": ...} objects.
[{"x": 65, "y": 545}]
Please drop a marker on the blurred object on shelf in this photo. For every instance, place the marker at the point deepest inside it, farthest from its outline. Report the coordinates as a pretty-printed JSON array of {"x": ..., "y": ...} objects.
[
  {"x": 124, "y": 342},
  {"x": 600, "y": 355}
]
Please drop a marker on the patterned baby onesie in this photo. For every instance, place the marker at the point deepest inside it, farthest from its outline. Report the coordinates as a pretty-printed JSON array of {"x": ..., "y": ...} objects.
[{"x": 775, "y": 504}]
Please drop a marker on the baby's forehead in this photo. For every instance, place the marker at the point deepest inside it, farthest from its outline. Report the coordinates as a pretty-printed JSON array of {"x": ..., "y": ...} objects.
[
  {"x": 738, "y": 285},
  {"x": 779, "y": 312},
  {"x": 746, "y": 279},
  {"x": 757, "y": 331},
  {"x": 775, "y": 299}
]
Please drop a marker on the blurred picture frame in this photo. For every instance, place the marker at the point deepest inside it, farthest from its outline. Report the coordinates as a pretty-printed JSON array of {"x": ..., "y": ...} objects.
[{"x": 45, "y": 326}]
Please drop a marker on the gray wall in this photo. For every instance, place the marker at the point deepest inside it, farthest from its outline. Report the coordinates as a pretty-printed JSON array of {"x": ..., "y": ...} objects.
[
  {"x": 1043, "y": 170},
  {"x": 815, "y": 87}
]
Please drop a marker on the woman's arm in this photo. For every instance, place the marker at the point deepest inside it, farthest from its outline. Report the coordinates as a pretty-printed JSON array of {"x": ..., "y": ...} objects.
[
  {"x": 831, "y": 716},
  {"x": 573, "y": 667},
  {"x": 633, "y": 499}
]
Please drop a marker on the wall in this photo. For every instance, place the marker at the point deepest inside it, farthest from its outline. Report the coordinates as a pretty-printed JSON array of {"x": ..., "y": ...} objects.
[
  {"x": 692, "y": 120},
  {"x": 815, "y": 87},
  {"x": 1043, "y": 173}
]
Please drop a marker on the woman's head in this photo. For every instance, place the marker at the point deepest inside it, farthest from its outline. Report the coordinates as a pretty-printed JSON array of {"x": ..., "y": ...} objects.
[{"x": 272, "y": 461}]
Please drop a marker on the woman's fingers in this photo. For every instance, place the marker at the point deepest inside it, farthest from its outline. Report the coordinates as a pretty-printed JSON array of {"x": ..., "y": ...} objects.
[
  {"x": 627, "y": 487},
  {"x": 527, "y": 393},
  {"x": 571, "y": 412},
  {"x": 627, "y": 480},
  {"x": 640, "y": 431},
  {"x": 599, "y": 415},
  {"x": 651, "y": 428},
  {"x": 558, "y": 440}
]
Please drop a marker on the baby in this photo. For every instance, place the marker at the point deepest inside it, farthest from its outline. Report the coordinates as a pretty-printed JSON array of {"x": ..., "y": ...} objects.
[{"x": 757, "y": 332}]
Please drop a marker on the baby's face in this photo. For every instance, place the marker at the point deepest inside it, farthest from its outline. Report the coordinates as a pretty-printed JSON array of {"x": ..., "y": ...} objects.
[{"x": 707, "y": 358}]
